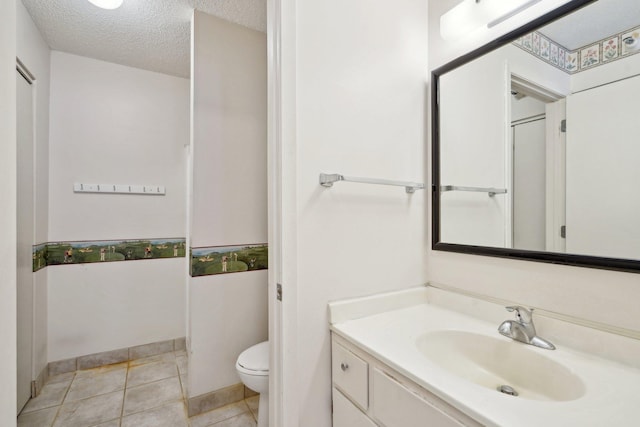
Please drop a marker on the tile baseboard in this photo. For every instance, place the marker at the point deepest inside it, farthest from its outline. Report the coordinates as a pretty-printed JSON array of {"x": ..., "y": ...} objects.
[
  {"x": 215, "y": 399},
  {"x": 113, "y": 356},
  {"x": 39, "y": 382}
]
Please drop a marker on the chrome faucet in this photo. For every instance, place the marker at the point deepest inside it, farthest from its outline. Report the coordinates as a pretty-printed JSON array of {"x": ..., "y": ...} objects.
[{"x": 522, "y": 329}]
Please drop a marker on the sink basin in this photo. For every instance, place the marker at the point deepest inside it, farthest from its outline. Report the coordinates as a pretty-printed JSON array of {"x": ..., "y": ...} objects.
[{"x": 494, "y": 362}]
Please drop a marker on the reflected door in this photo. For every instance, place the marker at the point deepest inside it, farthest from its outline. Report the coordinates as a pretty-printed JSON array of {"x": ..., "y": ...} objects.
[
  {"x": 603, "y": 176},
  {"x": 529, "y": 213}
]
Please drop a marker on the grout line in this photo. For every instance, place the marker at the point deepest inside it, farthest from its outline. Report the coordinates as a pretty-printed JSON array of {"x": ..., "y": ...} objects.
[
  {"x": 156, "y": 381},
  {"x": 64, "y": 398},
  {"x": 124, "y": 393},
  {"x": 53, "y": 421},
  {"x": 253, "y": 414}
]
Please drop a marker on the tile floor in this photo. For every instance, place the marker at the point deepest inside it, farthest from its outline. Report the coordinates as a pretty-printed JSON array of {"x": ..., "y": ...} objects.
[{"x": 147, "y": 392}]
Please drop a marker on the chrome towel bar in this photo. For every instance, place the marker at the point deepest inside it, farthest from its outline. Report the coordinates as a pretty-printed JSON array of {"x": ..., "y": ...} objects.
[
  {"x": 327, "y": 180},
  {"x": 492, "y": 191}
]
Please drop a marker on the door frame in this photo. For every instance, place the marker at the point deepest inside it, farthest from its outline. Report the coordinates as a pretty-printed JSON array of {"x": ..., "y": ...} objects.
[
  {"x": 556, "y": 183},
  {"x": 282, "y": 213},
  {"x": 30, "y": 79},
  {"x": 8, "y": 214}
]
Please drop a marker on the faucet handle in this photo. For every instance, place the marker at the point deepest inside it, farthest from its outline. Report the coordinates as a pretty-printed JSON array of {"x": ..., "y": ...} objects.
[{"x": 523, "y": 314}]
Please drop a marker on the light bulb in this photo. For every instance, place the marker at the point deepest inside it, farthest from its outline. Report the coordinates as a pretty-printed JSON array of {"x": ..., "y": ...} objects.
[{"x": 107, "y": 4}]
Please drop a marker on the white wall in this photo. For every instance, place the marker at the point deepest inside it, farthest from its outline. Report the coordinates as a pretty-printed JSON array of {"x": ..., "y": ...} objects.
[
  {"x": 120, "y": 125},
  {"x": 34, "y": 53},
  {"x": 8, "y": 213},
  {"x": 471, "y": 217},
  {"x": 354, "y": 102},
  {"x": 106, "y": 306},
  {"x": 597, "y": 295},
  {"x": 228, "y": 312}
]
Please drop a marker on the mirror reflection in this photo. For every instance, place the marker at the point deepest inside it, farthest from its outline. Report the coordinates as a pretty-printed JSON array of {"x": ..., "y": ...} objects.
[{"x": 538, "y": 139}]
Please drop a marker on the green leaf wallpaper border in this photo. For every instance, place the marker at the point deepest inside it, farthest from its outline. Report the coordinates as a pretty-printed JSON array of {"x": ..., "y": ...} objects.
[
  {"x": 211, "y": 260},
  {"x": 98, "y": 251}
]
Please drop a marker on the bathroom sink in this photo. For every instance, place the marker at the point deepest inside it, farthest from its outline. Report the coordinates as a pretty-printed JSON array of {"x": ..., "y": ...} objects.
[{"x": 495, "y": 362}]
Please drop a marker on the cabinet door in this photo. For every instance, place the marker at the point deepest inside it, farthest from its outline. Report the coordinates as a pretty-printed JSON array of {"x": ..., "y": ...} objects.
[
  {"x": 396, "y": 406},
  {"x": 350, "y": 375},
  {"x": 345, "y": 414}
]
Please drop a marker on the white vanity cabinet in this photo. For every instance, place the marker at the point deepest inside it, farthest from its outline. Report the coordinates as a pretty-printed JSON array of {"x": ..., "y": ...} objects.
[{"x": 368, "y": 393}]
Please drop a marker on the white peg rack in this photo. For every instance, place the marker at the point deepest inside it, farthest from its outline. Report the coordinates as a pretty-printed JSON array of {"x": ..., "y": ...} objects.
[{"x": 150, "y": 190}]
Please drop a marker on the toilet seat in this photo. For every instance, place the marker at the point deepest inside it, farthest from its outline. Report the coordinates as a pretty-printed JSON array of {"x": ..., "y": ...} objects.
[
  {"x": 251, "y": 372},
  {"x": 254, "y": 360}
]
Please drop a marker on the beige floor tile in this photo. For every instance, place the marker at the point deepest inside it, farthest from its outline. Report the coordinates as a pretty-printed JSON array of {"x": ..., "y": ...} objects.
[
  {"x": 220, "y": 414},
  {"x": 253, "y": 403},
  {"x": 170, "y": 415},
  {"x": 51, "y": 395},
  {"x": 41, "y": 418},
  {"x": 90, "y": 412},
  {"x": 61, "y": 378},
  {"x": 151, "y": 395},
  {"x": 85, "y": 386},
  {"x": 112, "y": 423},
  {"x": 151, "y": 372},
  {"x": 244, "y": 420}
]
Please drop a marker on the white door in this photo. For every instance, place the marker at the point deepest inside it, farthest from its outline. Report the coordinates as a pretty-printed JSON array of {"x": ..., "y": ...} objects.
[
  {"x": 25, "y": 207},
  {"x": 603, "y": 200},
  {"x": 529, "y": 157}
]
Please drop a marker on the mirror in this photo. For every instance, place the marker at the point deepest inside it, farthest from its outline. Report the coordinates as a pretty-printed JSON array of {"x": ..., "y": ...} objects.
[{"x": 535, "y": 151}]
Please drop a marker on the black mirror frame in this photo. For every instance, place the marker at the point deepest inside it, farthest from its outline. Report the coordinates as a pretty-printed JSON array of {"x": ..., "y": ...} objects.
[{"x": 617, "y": 264}]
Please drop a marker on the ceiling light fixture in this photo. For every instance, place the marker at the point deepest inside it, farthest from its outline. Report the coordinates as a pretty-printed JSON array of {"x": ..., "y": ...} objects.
[
  {"x": 473, "y": 14},
  {"x": 107, "y": 4}
]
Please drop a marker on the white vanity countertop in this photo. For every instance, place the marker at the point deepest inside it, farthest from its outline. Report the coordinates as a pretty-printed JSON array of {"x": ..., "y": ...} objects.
[{"x": 612, "y": 396}]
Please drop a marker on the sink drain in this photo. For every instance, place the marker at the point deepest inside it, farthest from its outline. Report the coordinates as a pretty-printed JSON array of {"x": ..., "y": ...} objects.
[{"x": 507, "y": 390}]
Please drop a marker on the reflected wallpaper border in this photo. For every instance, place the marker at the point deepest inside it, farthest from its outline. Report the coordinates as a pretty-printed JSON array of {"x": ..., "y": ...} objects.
[{"x": 604, "y": 51}]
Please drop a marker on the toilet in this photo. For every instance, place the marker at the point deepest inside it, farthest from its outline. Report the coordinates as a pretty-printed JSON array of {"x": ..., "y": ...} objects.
[{"x": 253, "y": 367}]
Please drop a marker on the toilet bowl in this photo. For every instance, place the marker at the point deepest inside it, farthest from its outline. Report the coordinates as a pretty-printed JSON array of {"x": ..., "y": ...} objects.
[{"x": 253, "y": 368}]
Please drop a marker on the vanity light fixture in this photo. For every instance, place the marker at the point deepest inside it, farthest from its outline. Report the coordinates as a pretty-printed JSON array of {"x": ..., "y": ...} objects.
[
  {"x": 107, "y": 4},
  {"x": 470, "y": 15}
]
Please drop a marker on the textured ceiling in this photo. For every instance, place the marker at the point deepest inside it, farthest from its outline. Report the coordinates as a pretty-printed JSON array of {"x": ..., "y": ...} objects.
[
  {"x": 149, "y": 34},
  {"x": 596, "y": 21}
]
